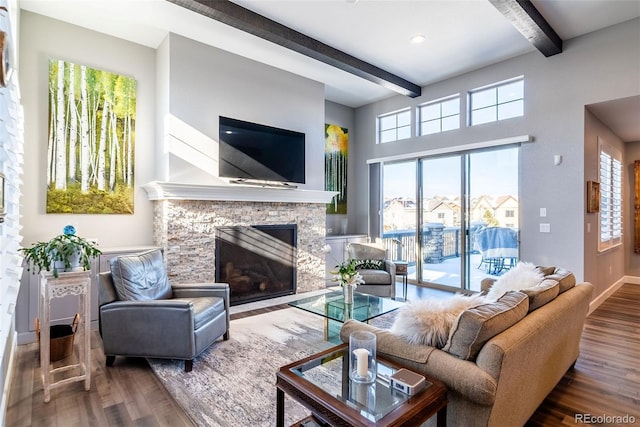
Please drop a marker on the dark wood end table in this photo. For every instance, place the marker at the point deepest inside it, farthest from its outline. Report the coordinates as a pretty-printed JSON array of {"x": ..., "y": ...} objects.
[{"x": 321, "y": 383}]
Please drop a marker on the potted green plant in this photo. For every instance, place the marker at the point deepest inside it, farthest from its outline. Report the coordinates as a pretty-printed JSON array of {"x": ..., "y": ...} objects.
[{"x": 64, "y": 252}]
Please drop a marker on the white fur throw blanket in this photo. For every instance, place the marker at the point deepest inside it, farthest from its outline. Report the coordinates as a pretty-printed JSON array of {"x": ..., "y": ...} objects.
[
  {"x": 524, "y": 275},
  {"x": 429, "y": 321}
]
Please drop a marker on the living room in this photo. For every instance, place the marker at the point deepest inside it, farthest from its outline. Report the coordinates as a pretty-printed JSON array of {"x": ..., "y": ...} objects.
[{"x": 184, "y": 85}]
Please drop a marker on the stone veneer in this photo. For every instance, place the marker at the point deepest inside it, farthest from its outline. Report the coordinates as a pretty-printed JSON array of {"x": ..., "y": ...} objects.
[{"x": 186, "y": 230}]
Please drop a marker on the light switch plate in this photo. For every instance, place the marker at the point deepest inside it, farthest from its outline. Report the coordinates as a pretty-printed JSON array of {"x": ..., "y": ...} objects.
[{"x": 545, "y": 228}]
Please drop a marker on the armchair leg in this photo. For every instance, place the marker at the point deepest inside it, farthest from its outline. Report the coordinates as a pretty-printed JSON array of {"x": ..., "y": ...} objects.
[
  {"x": 188, "y": 365},
  {"x": 225, "y": 337},
  {"x": 110, "y": 360}
]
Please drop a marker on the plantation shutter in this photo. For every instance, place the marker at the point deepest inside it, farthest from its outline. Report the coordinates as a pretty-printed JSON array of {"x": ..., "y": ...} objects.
[{"x": 610, "y": 196}]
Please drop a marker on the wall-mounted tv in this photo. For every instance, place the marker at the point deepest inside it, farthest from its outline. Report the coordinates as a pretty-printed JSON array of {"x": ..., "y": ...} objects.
[{"x": 255, "y": 152}]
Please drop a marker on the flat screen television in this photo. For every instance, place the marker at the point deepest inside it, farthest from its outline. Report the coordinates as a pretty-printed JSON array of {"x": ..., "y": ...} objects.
[{"x": 255, "y": 152}]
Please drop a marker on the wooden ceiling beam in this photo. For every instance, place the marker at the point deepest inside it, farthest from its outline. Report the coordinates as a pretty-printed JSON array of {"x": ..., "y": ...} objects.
[
  {"x": 526, "y": 18},
  {"x": 246, "y": 20}
]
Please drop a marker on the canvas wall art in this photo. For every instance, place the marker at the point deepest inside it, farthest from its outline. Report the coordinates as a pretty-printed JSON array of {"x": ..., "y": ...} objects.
[
  {"x": 91, "y": 141},
  {"x": 335, "y": 166}
]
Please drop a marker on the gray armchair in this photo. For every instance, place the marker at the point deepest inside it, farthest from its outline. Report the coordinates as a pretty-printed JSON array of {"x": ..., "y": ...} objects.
[
  {"x": 142, "y": 315},
  {"x": 377, "y": 281}
]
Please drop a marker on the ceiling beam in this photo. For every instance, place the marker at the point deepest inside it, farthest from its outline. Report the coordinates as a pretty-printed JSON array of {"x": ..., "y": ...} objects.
[
  {"x": 246, "y": 20},
  {"x": 526, "y": 18}
]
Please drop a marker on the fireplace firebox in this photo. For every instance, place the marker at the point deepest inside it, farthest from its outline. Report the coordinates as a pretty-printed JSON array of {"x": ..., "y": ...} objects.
[{"x": 258, "y": 261}]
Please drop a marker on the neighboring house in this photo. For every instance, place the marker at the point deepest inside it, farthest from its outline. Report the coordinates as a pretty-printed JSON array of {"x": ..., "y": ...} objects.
[{"x": 506, "y": 211}]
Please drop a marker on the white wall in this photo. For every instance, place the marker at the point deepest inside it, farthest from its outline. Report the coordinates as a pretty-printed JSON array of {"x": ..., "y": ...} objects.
[{"x": 600, "y": 66}]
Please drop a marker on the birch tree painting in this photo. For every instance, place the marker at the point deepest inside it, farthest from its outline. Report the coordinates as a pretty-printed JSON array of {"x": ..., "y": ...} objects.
[
  {"x": 335, "y": 166},
  {"x": 90, "y": 155}
]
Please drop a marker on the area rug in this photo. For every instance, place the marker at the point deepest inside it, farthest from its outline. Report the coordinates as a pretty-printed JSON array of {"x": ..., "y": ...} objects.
[{"x": 233, "y": 382}]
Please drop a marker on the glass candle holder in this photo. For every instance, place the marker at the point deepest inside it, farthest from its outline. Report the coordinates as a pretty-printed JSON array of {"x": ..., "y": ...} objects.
[{"x": 362, "y": 357}]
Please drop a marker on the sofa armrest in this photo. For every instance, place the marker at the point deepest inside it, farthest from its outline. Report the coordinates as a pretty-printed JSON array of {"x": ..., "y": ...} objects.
[
  {"x": 459, "y": 375},
  {"x": 195, "y": 290},
  {"x": 131, "y": 328}
]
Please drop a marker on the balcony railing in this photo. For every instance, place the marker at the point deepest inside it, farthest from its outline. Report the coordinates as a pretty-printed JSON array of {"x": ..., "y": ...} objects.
[{"x": 401, "y": 244}]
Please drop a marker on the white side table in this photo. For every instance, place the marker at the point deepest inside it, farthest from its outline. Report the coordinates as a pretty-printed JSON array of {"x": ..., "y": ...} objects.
[{"x": 72, "y": 283}]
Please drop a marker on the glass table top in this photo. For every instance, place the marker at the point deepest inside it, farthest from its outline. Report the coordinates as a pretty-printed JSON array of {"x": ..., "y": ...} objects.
[
  {"x": 332, "y": 306},
  {"x": 330, "y": 372}
]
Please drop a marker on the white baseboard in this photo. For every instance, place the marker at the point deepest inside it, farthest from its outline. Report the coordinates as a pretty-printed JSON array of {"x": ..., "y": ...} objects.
[{"x": 635, "y": 280}]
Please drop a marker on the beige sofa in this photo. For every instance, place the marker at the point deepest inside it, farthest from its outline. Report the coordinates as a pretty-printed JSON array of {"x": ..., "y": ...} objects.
[{"x": 512, "y": 373}]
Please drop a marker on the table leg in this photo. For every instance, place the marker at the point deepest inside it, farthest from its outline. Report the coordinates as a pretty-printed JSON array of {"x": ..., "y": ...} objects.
[
  {"x": 442, "y": 417},
  {"x": 45, "y": 343},
  {"x": 279, "y": 407},
  {"x": 404, "y": 286}
]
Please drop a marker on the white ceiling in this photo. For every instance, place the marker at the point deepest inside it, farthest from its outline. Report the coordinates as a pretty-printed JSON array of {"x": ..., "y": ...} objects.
[{"x": 460, "y": 35}]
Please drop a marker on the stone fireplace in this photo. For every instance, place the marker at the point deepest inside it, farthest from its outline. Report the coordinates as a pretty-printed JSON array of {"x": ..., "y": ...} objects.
[{"x": 187, "y": 217}]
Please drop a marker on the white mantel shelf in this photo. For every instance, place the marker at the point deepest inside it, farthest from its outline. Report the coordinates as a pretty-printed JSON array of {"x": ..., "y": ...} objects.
[{"x": 158, "y": 190}]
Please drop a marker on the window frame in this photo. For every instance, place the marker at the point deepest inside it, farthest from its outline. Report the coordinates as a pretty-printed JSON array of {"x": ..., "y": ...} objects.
[
  {"x": 440, "y": 118},
  {"x": 496, "y": 104},
  {"x": 610, "y": 215},
  {"x": 395, "y": 113}
]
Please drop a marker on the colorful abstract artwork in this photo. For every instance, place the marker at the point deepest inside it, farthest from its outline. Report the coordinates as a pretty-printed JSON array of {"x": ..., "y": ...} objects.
[
  {"x": 90, "y": 155},
  {"x": 335, "y": 166}
]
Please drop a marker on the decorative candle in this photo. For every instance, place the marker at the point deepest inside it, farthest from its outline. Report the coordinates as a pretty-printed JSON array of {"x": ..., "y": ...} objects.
[{"x": 362, "y": 356}]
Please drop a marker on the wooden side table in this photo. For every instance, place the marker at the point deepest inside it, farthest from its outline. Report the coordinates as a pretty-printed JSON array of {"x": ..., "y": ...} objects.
[
  {"x": 73, "y": 283},
  {"x": 402, "y": 270}
]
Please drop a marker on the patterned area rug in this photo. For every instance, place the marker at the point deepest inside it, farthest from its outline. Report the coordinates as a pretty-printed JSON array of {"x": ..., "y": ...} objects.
[{"x": 233, "y": 382}]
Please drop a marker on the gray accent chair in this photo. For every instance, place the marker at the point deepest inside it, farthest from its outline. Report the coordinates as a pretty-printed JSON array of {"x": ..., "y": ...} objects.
[
  {"x": 142, "y": 315},
  {"x": 381, "y": 283}
]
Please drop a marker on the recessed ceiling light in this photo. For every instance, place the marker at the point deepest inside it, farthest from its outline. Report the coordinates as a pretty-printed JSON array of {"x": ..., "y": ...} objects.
[{"x": 418, "y": 38}]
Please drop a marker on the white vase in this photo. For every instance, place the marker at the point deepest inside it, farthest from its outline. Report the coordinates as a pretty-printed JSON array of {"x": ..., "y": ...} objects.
[
  {"x": 347, "y": 291},
  {"x": 74, "y": 261}
]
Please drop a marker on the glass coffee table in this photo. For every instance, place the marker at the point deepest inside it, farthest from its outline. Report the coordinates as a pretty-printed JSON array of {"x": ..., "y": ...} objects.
[
  {"x": 332, "y": 307},
  {"x": 321, "y": 383}
]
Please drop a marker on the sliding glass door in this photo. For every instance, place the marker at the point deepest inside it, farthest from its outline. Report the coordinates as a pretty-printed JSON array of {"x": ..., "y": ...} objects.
[
  {"x": 441, "y": 222},
  {"x": 399, "y": 212},
  {"x": 454, "y": 218}
]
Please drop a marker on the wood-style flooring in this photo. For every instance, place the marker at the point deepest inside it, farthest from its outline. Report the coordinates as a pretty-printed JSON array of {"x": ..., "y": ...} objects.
[{"x": 605, "y": 380}]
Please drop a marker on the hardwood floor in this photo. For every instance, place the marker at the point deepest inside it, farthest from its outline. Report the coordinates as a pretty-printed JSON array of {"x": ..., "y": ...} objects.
[
  {"x": 606, "y": 377},
  {"x": 605, "y": 380}
]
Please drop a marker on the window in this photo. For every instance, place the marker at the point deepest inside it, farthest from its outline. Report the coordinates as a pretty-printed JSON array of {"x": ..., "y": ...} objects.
[
  {"x": 509, "y": 213},
  {"x": 439, "y": 116},
  {"x": 497, "y": 102},
  {"x": 394, "y": 126},
  {"x": 610, "y": 196}
]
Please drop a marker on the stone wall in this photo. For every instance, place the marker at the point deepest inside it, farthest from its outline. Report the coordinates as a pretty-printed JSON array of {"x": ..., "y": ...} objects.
[{"x": 186, "y": 230}]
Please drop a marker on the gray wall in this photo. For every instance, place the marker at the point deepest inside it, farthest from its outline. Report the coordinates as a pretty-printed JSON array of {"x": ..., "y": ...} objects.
[
  {"x": 632, "y": 259},
  {"x": 43, "y": 39},
  {"x": 206, "y": 82},
  {"x": 337, "y": 114},
  {"x": 603, "y": 268},
  {"x": 600, "y": 66}
]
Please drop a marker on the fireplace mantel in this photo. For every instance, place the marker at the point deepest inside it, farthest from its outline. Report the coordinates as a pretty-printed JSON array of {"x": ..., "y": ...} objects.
[{"x": 159, "y": 190}]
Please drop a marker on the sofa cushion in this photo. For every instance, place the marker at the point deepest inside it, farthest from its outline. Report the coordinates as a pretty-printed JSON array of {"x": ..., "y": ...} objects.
[
  {"x": 140, "y": 277},
  {"x": 476, "y": 325},
  {"x": 375, "y": 277},
  {"x": 369, "y": 264},
  {"x": 565, "y": 278},
  {"x": 428, "y": 321},
  {"x": 542, "y": 293},
  {"x": 523, "y": 275}
]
